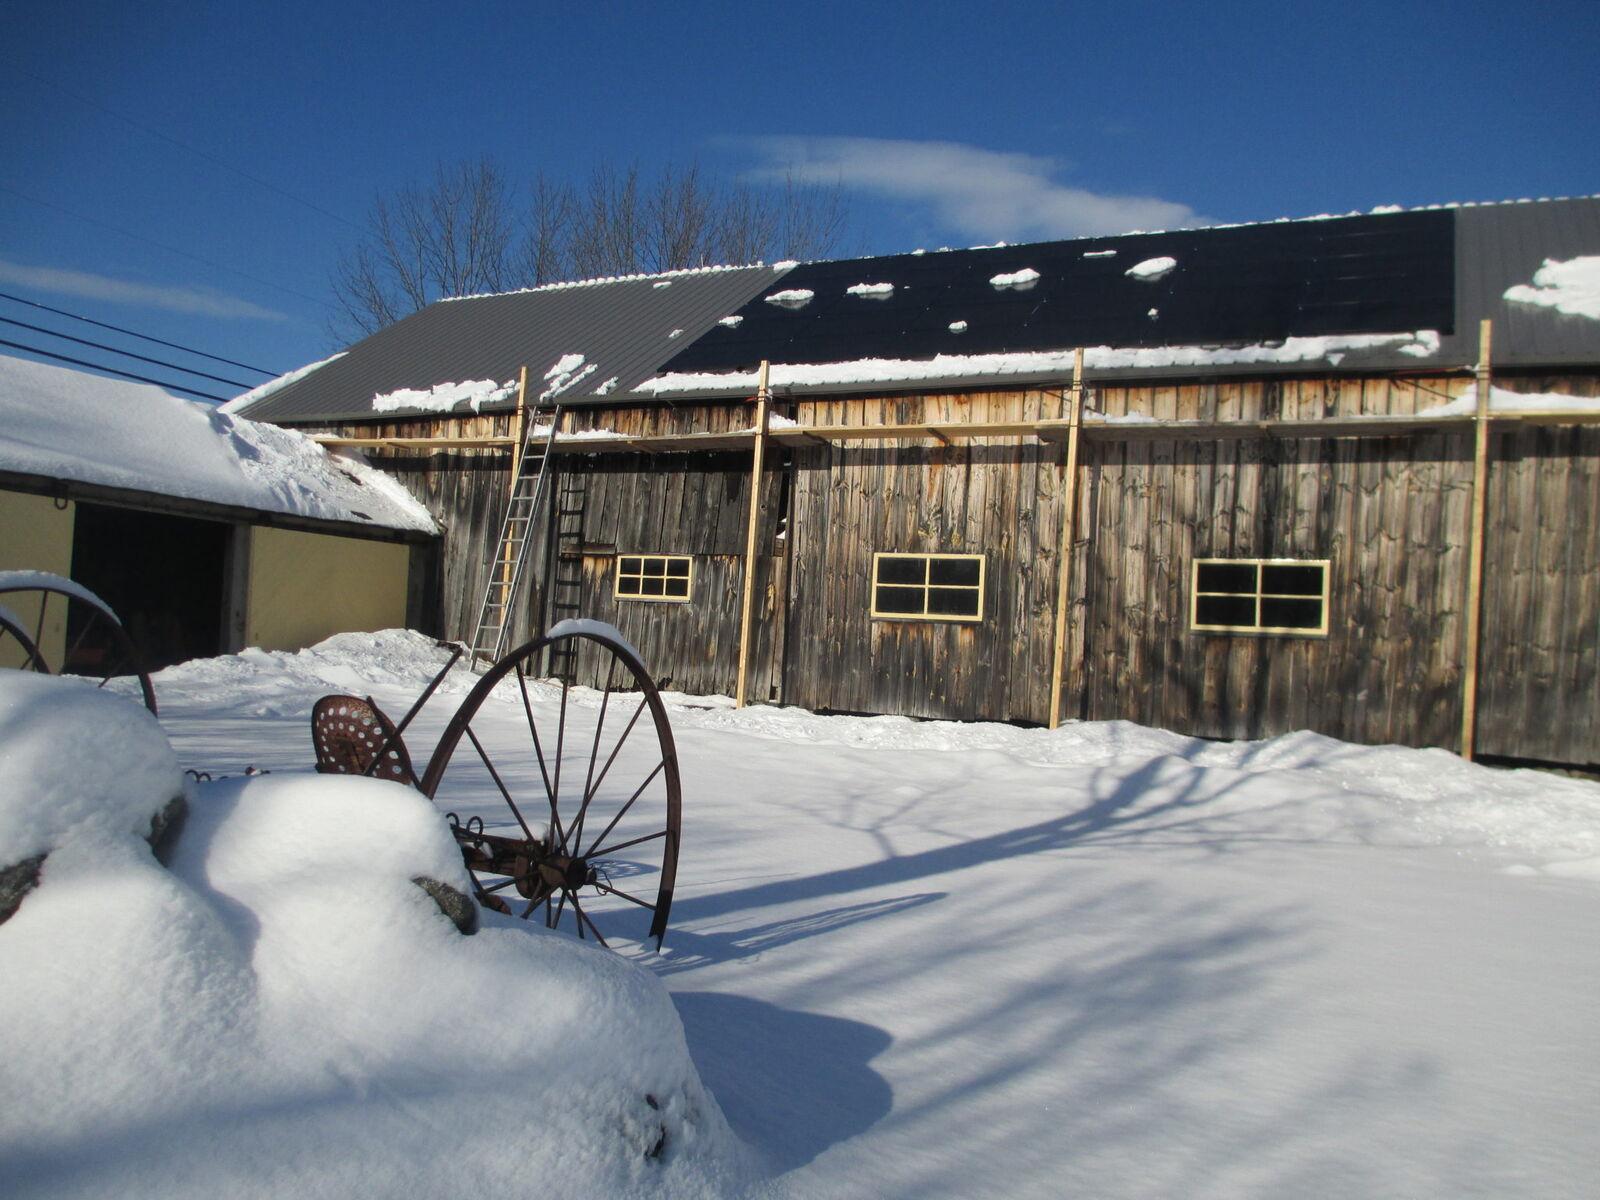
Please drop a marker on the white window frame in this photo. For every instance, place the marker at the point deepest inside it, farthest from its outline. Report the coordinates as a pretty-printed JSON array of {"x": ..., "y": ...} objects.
[
  {"x": 647, "y": 558},
  {"x": 926, "y": 586},
  {"x": 1258, "y": 595}
]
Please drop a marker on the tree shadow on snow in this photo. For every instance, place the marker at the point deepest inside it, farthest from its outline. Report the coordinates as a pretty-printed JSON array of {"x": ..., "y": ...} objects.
[{"x": 791, "y": 1083}]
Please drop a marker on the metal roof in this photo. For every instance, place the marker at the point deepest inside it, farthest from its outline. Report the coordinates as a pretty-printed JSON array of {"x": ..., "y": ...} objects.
[
  {"x": 1253, "y": 286},
  {"x": 623, "y": 327}
]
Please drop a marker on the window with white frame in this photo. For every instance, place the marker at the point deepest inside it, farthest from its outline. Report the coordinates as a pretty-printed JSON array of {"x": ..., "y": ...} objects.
[
  {"x": 927, "y": 587},
  {"x": 1287, "y": 597},
  {"x": 668, "y": 577}
]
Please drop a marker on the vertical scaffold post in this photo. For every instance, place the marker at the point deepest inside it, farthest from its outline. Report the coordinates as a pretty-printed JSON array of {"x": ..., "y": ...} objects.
[
  {"x": 763, "y": 404},
  {"x": 1069, "y": 512}
]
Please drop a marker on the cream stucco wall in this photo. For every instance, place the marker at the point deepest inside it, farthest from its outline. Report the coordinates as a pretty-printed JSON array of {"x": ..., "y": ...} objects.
[
  {"x": 35, "y": 535},
  {"x": 305, "y": 586}
]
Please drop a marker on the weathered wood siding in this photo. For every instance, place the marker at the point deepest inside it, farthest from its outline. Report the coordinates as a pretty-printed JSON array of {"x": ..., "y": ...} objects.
[
  {"x": 632, "y": 503},
  {"x": 999, "y": 498},
  {"x": 1392, "y": 514},
  {"x": 1540, "y": 691}
]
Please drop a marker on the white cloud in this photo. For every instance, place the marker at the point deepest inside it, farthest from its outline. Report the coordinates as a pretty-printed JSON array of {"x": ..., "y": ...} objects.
[
  {"x": 978, "y": 193},
  {"x": 199, "y": 301}
]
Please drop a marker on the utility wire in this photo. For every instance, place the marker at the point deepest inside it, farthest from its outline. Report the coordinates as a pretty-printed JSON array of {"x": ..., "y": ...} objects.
[
  {"x": 61, "y": 312},
  {"x": 139, "y": 237},
  {"x": 67, "y": 337},
  {"x": 210, "y": 158},
  {"x": 78, "y": 362}
]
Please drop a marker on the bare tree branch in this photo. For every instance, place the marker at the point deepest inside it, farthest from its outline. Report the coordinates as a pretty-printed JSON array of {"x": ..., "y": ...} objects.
[{"x": 468, "y": 231}]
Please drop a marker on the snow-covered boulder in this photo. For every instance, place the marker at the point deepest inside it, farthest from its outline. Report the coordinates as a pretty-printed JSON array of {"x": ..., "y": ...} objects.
[{"x": 283, "y": 1011}]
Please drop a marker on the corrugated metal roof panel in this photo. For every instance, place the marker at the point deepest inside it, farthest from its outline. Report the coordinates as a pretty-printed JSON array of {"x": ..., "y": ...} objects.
[{"x": 623, "y": 327}]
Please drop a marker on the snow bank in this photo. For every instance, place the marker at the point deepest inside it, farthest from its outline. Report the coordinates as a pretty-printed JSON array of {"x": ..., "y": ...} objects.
[
  {"x": 284, "y": 1012},
  {"x": 1571, "y": 287},
  {"x": 76, "y": 762},
  {"x": 71, "y": 425}
]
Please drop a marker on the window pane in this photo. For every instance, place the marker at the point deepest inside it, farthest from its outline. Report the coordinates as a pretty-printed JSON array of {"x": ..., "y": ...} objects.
[
  {"x": 962, "y": 571},
  {"x": 899, "y": 600},
  {"x": 678, "y": 588},
  {"x": 1292, "y": 580},
  {"x": 627, "y": 585},
  {"x": 1226, "y": 577},
  {"x": 652, "y": 587},
  {"x": 656, "y": 567},
  {"x": 628, "y": 566},
  {"x": 678, "y": 568},
  {"x": 953, "y": 602},
  {"x": 902, "y": 570},
  {"x": 1225, "y": 610},
  {"x": 1291, "y": 614}
]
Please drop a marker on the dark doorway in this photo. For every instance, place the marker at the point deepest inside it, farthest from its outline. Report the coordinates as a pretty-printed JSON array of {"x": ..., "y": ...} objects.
[{"x": 163, "y": 576}]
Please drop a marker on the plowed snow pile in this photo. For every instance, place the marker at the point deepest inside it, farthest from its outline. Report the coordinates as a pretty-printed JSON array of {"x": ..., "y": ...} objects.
[{"x": 283, "y": 1012}]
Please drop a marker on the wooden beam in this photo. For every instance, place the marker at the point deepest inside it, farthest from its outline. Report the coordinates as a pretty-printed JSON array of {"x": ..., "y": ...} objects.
[
  {"x": 519, "y": 425},
  {"x": 1053, "y": 431},
  {"x": 1480, "y": 482},
  {"x": 763, "y": 404},
  {"x": 1069, "y": 512}
]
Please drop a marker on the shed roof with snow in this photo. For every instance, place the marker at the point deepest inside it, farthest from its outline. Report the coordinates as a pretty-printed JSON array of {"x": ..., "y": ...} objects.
[
  {"x": 1383, "y": 291},
  {"x": 61, "y": 427}
]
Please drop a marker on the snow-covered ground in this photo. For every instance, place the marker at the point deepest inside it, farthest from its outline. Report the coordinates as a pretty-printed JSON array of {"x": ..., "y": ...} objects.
[{"x": 933, "y": 960}]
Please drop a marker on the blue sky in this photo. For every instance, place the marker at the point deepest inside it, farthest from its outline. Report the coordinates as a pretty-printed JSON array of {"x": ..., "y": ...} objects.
[{"x": 946, "y": 124}]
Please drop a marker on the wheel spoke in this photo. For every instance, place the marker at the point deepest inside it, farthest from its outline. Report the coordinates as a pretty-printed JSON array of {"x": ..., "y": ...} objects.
[
  {"x": 495, "y": 775},
  {"x": 497, "y": 887},
  {"x": 583, "y": 919},
  {"x": 611, "y": 891},
  {"x": 561, "y": 737},
  {"x": 94, "y": 615},
  {"x": 594, "y": 753},
  {"x": 632, "y": 721},
  {"x": 555, "y": 922},
  {"x": 538, "y": 751},
  {"x": 649, "y": 837},
  {"x": 622, "y": 812}
]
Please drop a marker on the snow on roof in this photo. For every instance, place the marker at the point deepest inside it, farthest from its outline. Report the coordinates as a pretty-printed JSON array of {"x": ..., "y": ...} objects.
[
  {"x": 442, "y": 397},
  {"x": 261, "y": 391},
  {"x": 567, "y": 285},
  {"x": 1571, "y": 287},
  {"x": 1418, "y": 344},
  {"x": 71, "y": 425}
]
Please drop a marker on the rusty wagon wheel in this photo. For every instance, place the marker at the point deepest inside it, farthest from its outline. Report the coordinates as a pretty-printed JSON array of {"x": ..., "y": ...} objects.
[
  {"x": 97, "y": 646},
  {"x": 566, "y": 800}
]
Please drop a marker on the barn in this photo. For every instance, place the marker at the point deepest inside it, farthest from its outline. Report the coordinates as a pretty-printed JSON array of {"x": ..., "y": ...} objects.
[
  {"x": 205, "y": 532},
  {"x": 1339, "y": 474}
]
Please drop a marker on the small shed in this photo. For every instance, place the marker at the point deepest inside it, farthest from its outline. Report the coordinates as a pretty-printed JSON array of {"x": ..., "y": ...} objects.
[{"x": 207, "y": 532}]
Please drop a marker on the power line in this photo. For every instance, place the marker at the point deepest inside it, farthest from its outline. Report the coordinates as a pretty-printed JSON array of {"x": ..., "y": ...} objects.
[
  {"x": 61, "y": 312},
  {"x": 78, "y": 362},
  {"x": 139, "y": 237},
  {"x": 211, "y": 158},
  {"x": 67, "y": 337}
]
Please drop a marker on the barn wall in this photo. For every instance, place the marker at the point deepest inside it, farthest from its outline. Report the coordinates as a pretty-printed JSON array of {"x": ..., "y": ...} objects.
[
  {"x": 1392, "y": 514},
  {"x": 1540, "y": 693},
  {"x": 999, "y": 498},
  {"x": 307, "y": 586},
  {"x": 35, "y": 535}
]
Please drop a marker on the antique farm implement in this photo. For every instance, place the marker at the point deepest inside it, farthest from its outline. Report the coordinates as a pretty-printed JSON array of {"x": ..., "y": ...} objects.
[{"x": 564, "y": 800}]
